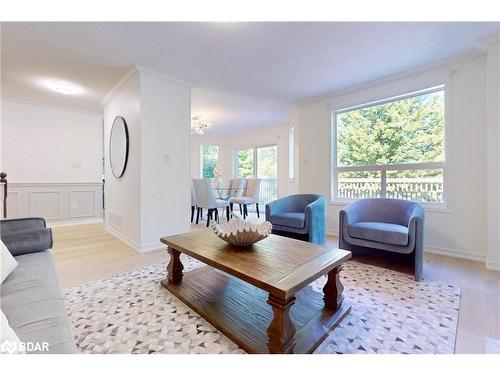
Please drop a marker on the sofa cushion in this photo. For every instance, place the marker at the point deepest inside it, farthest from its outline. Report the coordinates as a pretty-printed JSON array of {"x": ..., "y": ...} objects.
[
  {"x": 387, "y": 233},
  {"x": 289, "y": 219},
  {"x": 32, "y": 302},
  {"x": 9, "y": 342}
]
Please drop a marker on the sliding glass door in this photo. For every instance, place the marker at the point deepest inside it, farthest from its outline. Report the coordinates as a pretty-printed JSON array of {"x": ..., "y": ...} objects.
[
  {"x": 245, "y": 163},
  {"x": 260, "y": 162}
]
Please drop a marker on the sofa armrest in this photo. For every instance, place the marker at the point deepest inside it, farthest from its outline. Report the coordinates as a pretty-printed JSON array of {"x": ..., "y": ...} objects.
[
  {"x": 29, "y": 241},
  {"x": 21, "y": 225}
]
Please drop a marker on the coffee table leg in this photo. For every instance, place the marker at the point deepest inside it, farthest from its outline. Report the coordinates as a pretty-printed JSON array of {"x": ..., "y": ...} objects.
[
  {"x": 281, "y": 330},
  {"x": 333, "y": 289},
  {"x": 174, "y": 267}
]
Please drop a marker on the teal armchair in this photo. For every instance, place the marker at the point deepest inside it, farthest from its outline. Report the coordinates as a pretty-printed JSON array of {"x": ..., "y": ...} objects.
[{"x": 301, "y": 216}]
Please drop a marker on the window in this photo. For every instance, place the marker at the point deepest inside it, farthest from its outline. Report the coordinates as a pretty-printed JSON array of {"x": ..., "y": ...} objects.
[
  {"x": 392, "y": 148},
  {"x": 209, "y": 156},
  {"x": 291, "y": 153},
  {"x": 259, "y": 162},
  {"x": 245, "y": 163}
]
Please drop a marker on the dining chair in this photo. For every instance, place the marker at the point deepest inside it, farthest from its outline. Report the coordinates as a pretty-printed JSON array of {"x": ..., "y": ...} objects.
[
  {"x": 205, "y": 198},
  {"x": 193, "y": 200},
  {"x": 236, "y": 190},
  {"x": 250, "y": 196}
]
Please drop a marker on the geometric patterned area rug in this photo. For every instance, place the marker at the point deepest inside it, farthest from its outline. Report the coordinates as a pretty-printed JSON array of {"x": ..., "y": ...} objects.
[{"x": 391, "y": 313}]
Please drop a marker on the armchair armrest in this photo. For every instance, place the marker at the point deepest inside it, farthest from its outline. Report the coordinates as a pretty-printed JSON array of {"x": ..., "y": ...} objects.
[
  {"x": 29, "y": 241},
  {"x": 350, "y": 213},
  {"x": 315, "y": 220},
  {"x": 416, "y": 215},
  {"x": 277, "y": 206}
]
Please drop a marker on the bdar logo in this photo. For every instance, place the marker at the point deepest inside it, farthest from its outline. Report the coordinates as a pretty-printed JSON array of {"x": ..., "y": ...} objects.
[{"x": 8, "y": 347}]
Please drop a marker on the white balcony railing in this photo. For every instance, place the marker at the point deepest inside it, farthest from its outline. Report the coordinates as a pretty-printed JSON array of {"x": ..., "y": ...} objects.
[
  {"x": 268, "y": 191},
  {"x": 416, "y": 189}
]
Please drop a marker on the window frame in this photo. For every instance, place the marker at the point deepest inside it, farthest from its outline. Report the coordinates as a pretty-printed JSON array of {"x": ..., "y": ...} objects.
[
  {"x": 383, "y": 168},
  {"x": 255, "y": 164},
  {"x": 201, "y": 158}
]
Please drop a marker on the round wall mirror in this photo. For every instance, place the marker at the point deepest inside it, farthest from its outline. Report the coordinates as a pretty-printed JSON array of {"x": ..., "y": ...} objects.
[{"x": 118, "y": 146}]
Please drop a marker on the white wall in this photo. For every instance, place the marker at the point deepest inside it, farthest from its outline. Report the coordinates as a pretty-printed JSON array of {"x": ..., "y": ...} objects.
[
  {"x": 49, "y": 144},
  {"x": 165, "y": 159},
  {"x": 122, "y": 195},
  {"x": 152, "y": 198},
  {"x": 230, "y": 143},
  {"x": 493, "y": 155},
  {"x": 53, "y": 158},
  {"x": 459, "y": 230}
]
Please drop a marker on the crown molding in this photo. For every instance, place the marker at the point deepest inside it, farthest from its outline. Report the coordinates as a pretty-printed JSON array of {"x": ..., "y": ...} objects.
[
  {"x": 136, "y": 71},
  {"x": 482, "y": 45},
  {"x": 51, "y": 106},
  {"x": 173, "y": 80},
  {"x": 121, "y": 85}
]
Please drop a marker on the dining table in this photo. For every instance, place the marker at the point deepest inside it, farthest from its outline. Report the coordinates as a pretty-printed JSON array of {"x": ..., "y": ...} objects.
[{"x": 230, "y": 191}]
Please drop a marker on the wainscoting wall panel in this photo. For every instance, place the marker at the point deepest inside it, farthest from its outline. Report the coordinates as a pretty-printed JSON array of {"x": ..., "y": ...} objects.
[{"x": 58, "y": 203}]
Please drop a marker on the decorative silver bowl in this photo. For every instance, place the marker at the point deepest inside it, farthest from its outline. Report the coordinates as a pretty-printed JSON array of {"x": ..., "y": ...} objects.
[{"x": 242, "y": 232}]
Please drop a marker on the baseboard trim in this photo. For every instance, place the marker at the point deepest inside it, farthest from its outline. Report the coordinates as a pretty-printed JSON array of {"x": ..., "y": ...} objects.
[
  {"x": 55, "y": 224},
  {"x": 493, "y": 265},
  {"x": 153, "y": 247},
  {"x": 134, "y": 245},
  {"x": 123, "y": 238},
  {"x": 334, "y": 234},
  {"x": 477, "y": 257}
]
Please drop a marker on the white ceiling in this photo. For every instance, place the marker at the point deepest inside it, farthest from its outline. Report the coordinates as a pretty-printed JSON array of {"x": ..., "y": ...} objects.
[
  {"x": 268, "y": 65},
  {"x": 233, "y": 112}
]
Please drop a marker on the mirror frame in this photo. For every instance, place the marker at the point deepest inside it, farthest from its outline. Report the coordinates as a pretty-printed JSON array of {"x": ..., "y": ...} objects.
[{"x": 126, "y": 146}]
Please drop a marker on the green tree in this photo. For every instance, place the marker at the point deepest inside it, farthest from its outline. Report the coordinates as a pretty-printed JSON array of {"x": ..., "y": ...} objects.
[
  {"x": 405, "y": 131},
  {"x": 209, "y": 159},
  {"x": 267, "y": 162},
  {"x": 245, "y": 163}
]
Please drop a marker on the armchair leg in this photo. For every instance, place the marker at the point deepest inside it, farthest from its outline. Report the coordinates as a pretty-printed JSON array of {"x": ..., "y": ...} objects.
[
  {"x": 192, "y": 213},
  {"x": 216, "y": 214},
  {"x": 231, "y": 206},
  {"x": 241, "y": 212},
  {"x": 227, "y": 213},
  {"x": 245, "y": 211},
  {"x": 258, "y": 214}
]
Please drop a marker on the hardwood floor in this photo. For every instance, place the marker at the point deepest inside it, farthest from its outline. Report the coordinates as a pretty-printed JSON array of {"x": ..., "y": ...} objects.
[{"x": 85, "y": 253}]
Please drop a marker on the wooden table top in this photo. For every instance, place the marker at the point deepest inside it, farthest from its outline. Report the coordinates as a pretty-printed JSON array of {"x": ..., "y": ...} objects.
[{"x": 278, "y": 265}]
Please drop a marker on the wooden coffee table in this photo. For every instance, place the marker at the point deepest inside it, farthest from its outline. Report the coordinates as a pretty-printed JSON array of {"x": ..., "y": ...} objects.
[{"x": 260, "y": 296}]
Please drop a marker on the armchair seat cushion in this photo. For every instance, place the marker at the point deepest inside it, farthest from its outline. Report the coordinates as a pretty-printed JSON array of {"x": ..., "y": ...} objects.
[
  {"x": 387, "y": 233},
  {"x": 289, "y": 219}
]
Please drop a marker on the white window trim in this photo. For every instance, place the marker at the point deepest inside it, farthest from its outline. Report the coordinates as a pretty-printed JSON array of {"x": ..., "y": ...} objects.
[
  {"x": 291, "y": 154},
  {"x": 334, "y": 198}
]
